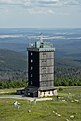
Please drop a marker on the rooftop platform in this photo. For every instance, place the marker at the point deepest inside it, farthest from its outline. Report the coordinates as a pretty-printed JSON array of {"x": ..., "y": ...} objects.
[{"x": 41, "y": 46}]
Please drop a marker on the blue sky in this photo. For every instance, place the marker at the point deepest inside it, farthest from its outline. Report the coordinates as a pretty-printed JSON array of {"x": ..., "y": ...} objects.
[{"x": 40, "y": 13}]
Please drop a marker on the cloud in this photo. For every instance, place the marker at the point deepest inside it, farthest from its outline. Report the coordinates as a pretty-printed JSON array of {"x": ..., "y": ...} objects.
[
  {"x": 40, "y": 6},
  {"x": 41, "y": 11},
  {"x": 4, "y": 2},
  {"x": 72, "y": 2},
  {"x": 38, "y": 3},
  {"x": 10, "y": 36},
  {"x": 47, "y": 3}
]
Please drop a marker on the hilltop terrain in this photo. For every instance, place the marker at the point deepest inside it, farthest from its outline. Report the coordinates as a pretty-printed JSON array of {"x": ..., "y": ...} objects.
[{"x": 66, "y": 108}]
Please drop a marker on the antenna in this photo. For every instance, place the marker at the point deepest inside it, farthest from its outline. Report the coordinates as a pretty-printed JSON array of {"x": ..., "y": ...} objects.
[{"x": 41, "y": 37}]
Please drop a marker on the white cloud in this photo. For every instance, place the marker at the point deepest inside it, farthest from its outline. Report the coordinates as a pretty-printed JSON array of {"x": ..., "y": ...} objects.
[
  {"x": 10, "y": 36},
  {"x": 41, "y": 3},
  {"x": 41, "y": 11},
  {"x": 27, "y": 3},
  {"x": 47, "y": 3},
  {"x": 72, "y": 2},
  {"x": 8, "y": 2},
  {"x": 40, "y": 6}
]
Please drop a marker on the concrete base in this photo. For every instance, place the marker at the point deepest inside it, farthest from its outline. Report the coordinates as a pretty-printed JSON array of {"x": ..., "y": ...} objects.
[
  {"x": 47, "y": 93},
  {"x": 31, "y": 91}
]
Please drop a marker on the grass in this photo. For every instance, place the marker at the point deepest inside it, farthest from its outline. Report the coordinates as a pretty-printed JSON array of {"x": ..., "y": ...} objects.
[
  {"x": 9, "y": 91},
  {"x": 66, "y": 90},
  {"x": 44, "y": 110}
]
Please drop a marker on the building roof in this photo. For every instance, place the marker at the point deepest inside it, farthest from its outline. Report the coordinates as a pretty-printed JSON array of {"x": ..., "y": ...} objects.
[
  {"x": 42, "y": 46},
  {"x": 47, "y": 88},
  {"x": 31, "y": 89},
  {"x": 34, "y": 89}
]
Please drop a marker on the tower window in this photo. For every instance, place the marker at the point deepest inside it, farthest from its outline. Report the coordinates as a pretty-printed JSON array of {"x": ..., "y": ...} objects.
[
  {"x": 43, "y": 60},
  {"x": 31, "y": 60},
  {"x": 43, "y": 75},
  {"x": 44, "y": 68},
  {"x": 31, "y": 53},
  {"x": 44, "y": 53},
  {"x": 31, "y": 68},
  {"x": 31, "y": 75},
  {"x": 31, "y": 83}
]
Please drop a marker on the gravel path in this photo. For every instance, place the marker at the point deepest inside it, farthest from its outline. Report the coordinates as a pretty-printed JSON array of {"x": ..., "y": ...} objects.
[{"x": 25, "y": 98}]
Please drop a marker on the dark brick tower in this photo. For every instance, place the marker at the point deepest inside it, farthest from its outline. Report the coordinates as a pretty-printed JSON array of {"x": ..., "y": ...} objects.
[{"x": 41, "y": 70}]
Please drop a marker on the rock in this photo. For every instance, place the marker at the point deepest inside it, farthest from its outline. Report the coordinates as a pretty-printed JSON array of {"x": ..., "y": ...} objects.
[
  {"x": 72, "y": 116},
  {"x": 29, "y": 111}
]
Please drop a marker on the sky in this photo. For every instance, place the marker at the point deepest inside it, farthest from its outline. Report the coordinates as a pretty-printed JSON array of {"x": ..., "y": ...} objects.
[{"x": 40, "y": 13}]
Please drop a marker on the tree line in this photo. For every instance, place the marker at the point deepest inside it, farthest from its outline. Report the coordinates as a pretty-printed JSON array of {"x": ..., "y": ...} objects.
[
  {"x": 13, "y": 84},
  {"x": 64, "y": 76},
  {"x": 67, "y": 82},
  {"x": 24, "y": 83}
]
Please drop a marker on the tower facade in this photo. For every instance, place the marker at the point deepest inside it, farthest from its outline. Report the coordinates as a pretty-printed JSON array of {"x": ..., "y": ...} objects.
[{"x": 41, "y": 70}]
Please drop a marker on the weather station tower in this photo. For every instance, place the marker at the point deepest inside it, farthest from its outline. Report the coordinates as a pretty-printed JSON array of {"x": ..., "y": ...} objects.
[{"x": 41, "y": 69}]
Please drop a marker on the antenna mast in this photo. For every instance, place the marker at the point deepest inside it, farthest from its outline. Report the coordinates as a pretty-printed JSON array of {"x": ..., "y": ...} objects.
[{"x": 41, "y": 38}]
